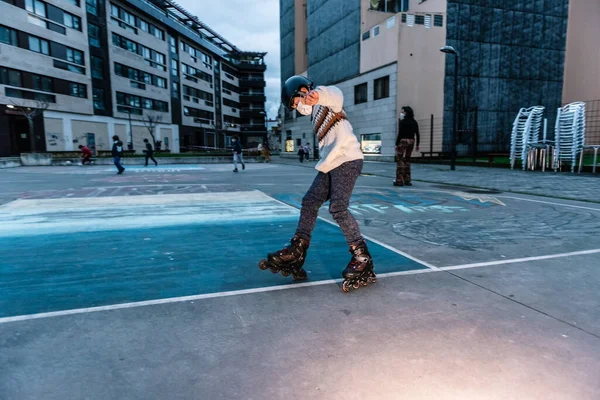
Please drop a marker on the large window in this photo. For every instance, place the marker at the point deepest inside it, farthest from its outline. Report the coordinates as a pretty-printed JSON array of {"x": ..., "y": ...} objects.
[
  {"x": 97, "y": 67},
  {"x": 94, "y": 35},
  {"x": 140, "y": 76},
  {"x": 8, "y": 36},
  {"x": 77, "y": 90},
  {"x": 382, "y": 88},
  {"x": 91, "y": 6},
  {"x": 72, "y": 21},
  {"x": 43, "y": 83},
  {"x": 36, "y": 6},
  {"x": 390, "y": 5},
  {"x": 371, "y": 143},
  {"x": 135, "y": 104},
  {"x": 360, "y": 93},
  {"x": 39, "y": 45},
  {"x": 98, "y": 99}
]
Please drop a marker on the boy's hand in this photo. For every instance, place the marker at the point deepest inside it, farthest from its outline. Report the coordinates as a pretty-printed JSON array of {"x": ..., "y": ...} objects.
[{"x": 311, "y": 98}]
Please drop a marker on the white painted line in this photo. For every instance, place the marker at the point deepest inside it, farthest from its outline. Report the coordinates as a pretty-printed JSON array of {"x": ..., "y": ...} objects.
[
  {"x": 520, "y": 260},
  {"x": 550, "y": 202},
  {"x": 191, "y": 298}
]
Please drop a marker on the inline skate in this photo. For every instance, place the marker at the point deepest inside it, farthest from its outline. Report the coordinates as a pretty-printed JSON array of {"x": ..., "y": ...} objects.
[
  {"x": 359, "y": 271},
  {"x": 288, "y": 260}
]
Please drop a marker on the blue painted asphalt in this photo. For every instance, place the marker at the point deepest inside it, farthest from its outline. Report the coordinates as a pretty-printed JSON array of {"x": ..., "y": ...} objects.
[{"x": 54, "y": 272}]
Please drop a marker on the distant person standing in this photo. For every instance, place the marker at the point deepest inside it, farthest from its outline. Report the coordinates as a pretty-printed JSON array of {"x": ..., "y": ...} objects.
[
  {"x": 307, "y": 151},
  {"x": 237, "y": 153},
  {"x": 117, "y": 153},
  {"x": 149, "y": 153},
  {"x": 265, "y": 152},
  {"x": 408, "y": 130},
  {"x": 301, "y": 153},
  {"x": 86, "y": 154}
]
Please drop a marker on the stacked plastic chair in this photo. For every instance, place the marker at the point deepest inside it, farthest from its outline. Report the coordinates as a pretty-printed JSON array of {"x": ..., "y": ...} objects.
[
  {"x": 569, "y": 134},
  {"x": 526, "y": 130}
]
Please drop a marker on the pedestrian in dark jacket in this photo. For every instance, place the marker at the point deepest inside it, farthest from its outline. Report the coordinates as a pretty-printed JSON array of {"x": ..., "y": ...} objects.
[
  {"x": 117, "y": 153},
  {"x": 149, "y": 153},
  {"x": 408, "y": 130},
  {"x": 237, "y": 153}
]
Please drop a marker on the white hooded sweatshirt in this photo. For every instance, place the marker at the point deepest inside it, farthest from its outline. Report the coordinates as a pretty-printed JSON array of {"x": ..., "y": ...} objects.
[{"x": 340, "y": 145}]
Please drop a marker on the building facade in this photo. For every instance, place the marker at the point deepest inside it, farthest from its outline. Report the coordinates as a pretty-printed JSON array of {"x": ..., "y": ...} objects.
[
  {"x": 139, "y": 69},
  {"x": 510, "y": 55}
]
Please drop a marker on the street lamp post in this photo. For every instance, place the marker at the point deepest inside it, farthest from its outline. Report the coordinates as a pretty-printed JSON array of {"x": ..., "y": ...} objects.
[{"x": 451, "y": 50}]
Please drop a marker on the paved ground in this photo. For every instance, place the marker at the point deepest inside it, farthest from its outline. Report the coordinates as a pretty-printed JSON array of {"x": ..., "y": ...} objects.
[{"x": 146, "y": 286}]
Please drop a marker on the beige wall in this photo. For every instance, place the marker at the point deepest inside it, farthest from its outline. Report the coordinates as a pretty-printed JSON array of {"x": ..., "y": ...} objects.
[
  {"x": 55, "y": 138},
  {"x": 300, "y": 35},
  {"x": 27, "y": 60},
  {"x": 80, "y": 130},
  {"x": 582, "y": 60},
  {"x": 381, "y": 49}
]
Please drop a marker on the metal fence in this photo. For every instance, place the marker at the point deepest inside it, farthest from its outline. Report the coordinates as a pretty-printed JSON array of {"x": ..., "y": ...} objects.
[{"x": 432, "y": 134}]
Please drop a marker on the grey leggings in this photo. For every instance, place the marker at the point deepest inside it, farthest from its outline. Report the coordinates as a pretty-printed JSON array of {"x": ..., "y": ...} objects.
[{"x": 336, "y": 186}]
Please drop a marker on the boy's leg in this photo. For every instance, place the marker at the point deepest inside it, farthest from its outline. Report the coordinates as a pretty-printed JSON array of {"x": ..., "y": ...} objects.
[
  {"x": 343, "y": 179},
  {"x": 235, "y": 159},
  {"x": 153, "y": 159},
  {"x": 242, "y": 161},
  {"x": 317, "y": 194},
  {"x": 146, "y": 157}
]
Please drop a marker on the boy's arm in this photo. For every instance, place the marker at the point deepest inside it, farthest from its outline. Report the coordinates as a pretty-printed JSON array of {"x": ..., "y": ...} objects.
[{"x": 330, "y": 96}]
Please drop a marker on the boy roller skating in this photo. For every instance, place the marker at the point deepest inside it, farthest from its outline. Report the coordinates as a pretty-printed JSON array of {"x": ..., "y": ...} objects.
[{"x": 340, "y": 165}]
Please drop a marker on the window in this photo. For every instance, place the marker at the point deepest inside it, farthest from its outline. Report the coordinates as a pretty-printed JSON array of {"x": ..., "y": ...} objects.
[
  {"x": 97, "y": 68},
  {"x": 160, "y": 82},
  {"x": 114, "y": 10},
  {"x": 39, "y": 45},
  {"x": 36, "y": 6},
  {"x": 68, "y": 67},
  {"x": 8, "y": 36},
  {"x": 403, "y": 18},
  {"x": 371, "y": 143},
  {"x": 360, "y": 93},
  {"x": 382, "y": 88},
  {"x": 419, "y": 20},
  {"x": 14, "y": 78},
  {"x": 72, "y": 21},
  {"x": 376, "y": 31},
  {"x": 77, "y": 90},
  {"x": 75, "y": 56},
  {"x": 74, "y": 2},
  {"x": 94, "y": 35},
  {"x": 25, "y": 94},
  {"x": 172, "y": 44},
  {"x": 42, "y": 83},
  {"x": 91, "y": 6},
  {"x": 391, "y": 22},
  {"x": 366, "y": 35},
  {"x": 98, "y": 99},
  {"x": 438, "y": 20},
  {"x": 144, "y": 26}
]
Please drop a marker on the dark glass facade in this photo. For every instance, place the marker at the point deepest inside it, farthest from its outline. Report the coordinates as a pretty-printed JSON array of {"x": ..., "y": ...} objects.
[{"x": 511, "y": 56}]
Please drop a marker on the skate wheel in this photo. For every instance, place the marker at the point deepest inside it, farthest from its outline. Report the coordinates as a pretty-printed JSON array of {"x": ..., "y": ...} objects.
[
  {"x": 372, "y": 279},
  {"x": 274, "y": 270},
  {"x": 345, "y": 286},
  {"x": 364, "y": 283},
  {"x": 356, "y": 285},
  {"x": 285, "y": 273},
  {"x": 299, "y": 275},
  {"x": 263, "y": 264}
]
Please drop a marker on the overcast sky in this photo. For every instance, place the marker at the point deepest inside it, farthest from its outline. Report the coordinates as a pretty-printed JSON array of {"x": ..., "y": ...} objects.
[{"x": 250, "y": 25}]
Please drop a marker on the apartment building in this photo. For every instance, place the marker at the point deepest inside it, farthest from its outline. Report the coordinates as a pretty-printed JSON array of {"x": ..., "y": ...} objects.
[
  {"x": 385, "y": 54},
  {"x": 101, "y": 68}
]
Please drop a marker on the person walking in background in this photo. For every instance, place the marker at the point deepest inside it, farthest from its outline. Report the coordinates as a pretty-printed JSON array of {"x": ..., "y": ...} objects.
[
  {"x": 117, "y": 153},
  {"x": 237, "y": 153},
  {"x": 301, "y": 153},
  {"x": 307, "y": 151},
  {"x": 265, "y": 152},
  {"x": 86, "y": 154},
  {"x": 408, "y": 130},
  {"x": 149, "y": 153}
]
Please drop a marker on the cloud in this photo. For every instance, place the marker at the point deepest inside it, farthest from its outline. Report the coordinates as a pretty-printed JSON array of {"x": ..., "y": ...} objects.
[{"x": 250, "y": 25}]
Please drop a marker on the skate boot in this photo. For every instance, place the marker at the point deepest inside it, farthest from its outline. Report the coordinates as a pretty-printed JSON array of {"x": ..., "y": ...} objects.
[
  {"x": 289, "y": 260},
  {"x": 360, "y": 269}
]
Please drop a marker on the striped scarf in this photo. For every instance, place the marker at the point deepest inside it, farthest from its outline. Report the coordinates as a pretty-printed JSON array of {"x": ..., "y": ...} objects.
[{"x": 325, "y": 120}]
